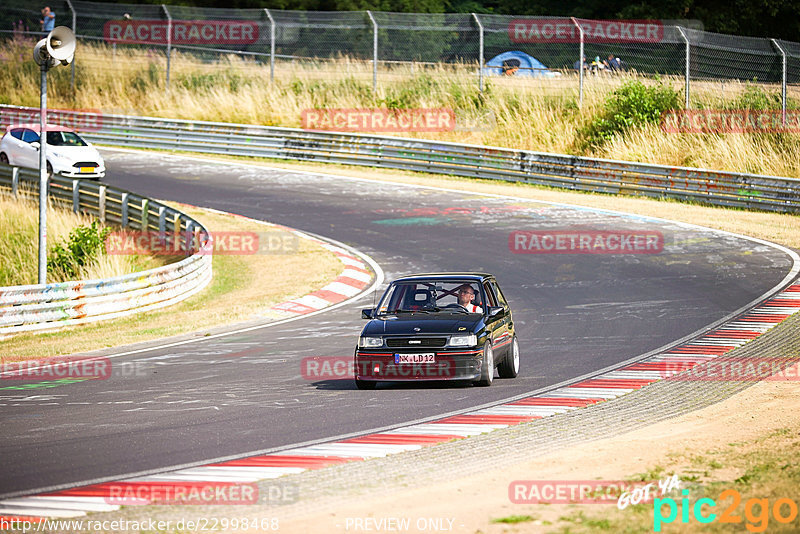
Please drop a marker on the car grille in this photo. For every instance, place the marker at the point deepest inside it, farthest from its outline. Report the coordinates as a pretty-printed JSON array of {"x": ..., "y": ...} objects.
[
  {"x": 423, "y": 342},
  {"x": 86, "y": 164}
]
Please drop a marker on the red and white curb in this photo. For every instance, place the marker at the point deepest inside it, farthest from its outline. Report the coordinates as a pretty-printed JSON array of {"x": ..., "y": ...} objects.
[
  {"x": 77, "y": 502},
  {"x": 355, "y": 277}
]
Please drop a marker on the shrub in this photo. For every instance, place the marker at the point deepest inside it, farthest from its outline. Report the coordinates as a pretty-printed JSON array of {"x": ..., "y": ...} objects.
[
  {"x": 81, "y": 248},
  {"x": 632, "y": 105}
]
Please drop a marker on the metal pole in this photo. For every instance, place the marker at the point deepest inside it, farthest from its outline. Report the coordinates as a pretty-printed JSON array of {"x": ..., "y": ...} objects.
[
  {"x": 43, "y": 176},
  {"x": 580, "y": 63},
  {"x": 271, "y": 46},
  {"x": 480, "y": 53},
  {"x": 374, "y": 51},
  {"x": 169, "y": 42},
  {"x": 783, "y": 81},
  {"x": 72, "y": 64},
  {"x": 688, "y": 64}
]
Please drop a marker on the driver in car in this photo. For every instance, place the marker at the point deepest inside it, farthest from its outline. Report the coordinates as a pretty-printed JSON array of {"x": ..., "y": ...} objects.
[{"x": 465, "y": 297}]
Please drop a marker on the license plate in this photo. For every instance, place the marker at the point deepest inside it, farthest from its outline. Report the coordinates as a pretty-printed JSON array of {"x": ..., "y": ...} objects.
[
  {"x": 428, "y": 357},
  {"x": 87, "y": 169}
]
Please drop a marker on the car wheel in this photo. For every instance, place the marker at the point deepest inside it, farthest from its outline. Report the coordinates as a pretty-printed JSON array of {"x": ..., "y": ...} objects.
[
  {"x": 3, "y": 158},
  {"x": 509, "y": 367},
  {"x": 361, "y": 384},
  {"x": 49, "y": 169},
  {"x": 487, "y": 367}
]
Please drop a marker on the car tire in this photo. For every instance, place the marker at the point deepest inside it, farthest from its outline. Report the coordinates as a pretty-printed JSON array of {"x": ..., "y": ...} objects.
[
  {"x": 361, "y": 384},
  {"x": 487, "y": 367},
  {"x": 49, "y": 169},
  {"x": 509, "y": 367},
  {"x": 3, "y": 158}
]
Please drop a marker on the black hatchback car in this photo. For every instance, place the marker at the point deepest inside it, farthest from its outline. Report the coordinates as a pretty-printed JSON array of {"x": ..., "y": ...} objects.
[{"x": 444, "y": 326}]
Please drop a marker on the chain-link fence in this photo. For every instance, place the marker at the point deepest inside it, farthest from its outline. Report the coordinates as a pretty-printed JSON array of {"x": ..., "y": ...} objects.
[{"x": 486, "y": 45}]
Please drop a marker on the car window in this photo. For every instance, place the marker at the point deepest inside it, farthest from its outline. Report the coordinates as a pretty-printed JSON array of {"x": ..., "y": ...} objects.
[
  {"x": 499, "y": 294},
  {"x": 16, "y": 133},
  {"x": 29, "y": 136},
  {"x": 429, "y": 296},
  {"x": 489, "y": 295},
  {"x": 64, "y": 139}
]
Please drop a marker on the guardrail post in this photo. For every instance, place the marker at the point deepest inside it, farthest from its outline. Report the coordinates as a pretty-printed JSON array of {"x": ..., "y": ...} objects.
[
  {"x": 124, "y": 210},
  {"x": 580, "y": 62},
  {"x": 688, "y": 64},
  {"x": 480, "y": 52},
  {"x": 783, "y": 81},
  {"x": 145, "y": 214},
  {"x": 271, "y": 45},
  {"x": 101, "y": 204},
  {"x": 14, "y": 180},
  {"x": 162, "y": 219},
  {"x": 169, "y": 42},
  {"x": 374, "y": 51},
  {"x": 187, "y": 236},
  {"x": 76, "y": 195}
]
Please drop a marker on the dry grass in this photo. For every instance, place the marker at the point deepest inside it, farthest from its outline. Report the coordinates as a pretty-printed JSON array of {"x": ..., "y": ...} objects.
[
  {"x": 243, "y": 287},
  {"x": 19, "y": 228},
  {"x": 532, "y": 114}
]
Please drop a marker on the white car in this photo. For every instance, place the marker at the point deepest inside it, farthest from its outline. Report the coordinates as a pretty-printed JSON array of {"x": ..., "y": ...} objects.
[{"x": 67, "y": 153}]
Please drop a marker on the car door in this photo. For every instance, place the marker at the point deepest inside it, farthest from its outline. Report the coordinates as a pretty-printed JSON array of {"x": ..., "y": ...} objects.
[
  {"x": 12, "y": 146},
  {"x": 28, "y": 154},
  {"x": 502, "y": 327}
]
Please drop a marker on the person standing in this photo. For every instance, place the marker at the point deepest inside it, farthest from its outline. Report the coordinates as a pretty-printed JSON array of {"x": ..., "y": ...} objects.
[{"x": 48, "y": 21}]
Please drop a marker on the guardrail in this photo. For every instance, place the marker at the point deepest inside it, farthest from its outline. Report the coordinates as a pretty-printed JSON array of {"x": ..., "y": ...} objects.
[
  {"x": 44, "y": 306},
  {"x": 719, "y": 188}
]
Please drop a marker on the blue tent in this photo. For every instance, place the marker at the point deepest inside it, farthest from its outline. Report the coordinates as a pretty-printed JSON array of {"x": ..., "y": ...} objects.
[{"x": 528, "y": 65}]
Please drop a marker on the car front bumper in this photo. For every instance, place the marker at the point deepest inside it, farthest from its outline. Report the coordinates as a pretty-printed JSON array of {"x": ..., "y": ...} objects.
[{"x": 380, "y": 366}]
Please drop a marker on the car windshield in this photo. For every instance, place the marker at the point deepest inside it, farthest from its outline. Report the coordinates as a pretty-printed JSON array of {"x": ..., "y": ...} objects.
[
  {"x": 452, "y": 296},
  {"x": 64, "y": 139}
]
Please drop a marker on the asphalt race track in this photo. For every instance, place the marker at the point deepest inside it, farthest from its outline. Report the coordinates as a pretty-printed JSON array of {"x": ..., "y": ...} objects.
[{"x": 575, "y": 314}]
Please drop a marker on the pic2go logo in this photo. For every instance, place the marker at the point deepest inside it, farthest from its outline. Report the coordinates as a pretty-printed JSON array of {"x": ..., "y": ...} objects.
[{"x": 756, "y": 511}]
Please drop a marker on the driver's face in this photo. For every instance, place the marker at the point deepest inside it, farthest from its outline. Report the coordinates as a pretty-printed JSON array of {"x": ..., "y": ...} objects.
[{"x": 465, "y": 295}]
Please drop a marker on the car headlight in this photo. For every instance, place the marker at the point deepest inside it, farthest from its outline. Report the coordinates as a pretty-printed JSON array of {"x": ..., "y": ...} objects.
[
  {"x": 464, "y": 341},
  {"x": 366, "y": 342}
]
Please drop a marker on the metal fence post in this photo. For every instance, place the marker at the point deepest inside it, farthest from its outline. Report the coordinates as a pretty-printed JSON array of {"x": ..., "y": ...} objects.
[
  {"x": 101, "y": 204},
  {"x": 145, "y": 224},
  {"x": 169, "y": 42},
  {"x": 688, "y": 64},
  {"x": 480, "y": 52},
  {"x": 124, "y": 210},
  {"x": 75, "y": 31},
  {"x": 14, "y": 180},
  {"x": 76, "y": 195},
  {"x": 580, "y": 63},
  {"x": 271, "y": 45},
  {"x": 374, "y": 51},
  {"x": 783, "y": 80}
]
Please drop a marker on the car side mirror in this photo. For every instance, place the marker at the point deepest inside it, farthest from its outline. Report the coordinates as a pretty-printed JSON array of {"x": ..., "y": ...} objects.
[
  {"x": 35, "y": 144},
  {"x": 496, "y": 312},
  {"x": 367, "y": 313}
]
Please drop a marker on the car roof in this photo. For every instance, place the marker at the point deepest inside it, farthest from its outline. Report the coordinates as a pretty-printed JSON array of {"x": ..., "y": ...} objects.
[
  {"x": 35, "y": 127},
  {"x": 476, "y": 277}
]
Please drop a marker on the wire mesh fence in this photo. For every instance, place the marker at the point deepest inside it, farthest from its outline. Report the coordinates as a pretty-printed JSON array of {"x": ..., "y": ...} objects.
[{"x": 484, "y": 45}]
